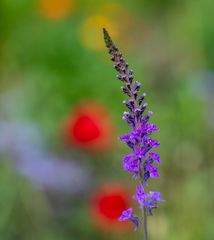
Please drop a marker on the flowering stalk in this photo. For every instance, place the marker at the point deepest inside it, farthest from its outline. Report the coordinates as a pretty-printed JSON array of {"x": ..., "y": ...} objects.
[{"x": 140, "y": 162}]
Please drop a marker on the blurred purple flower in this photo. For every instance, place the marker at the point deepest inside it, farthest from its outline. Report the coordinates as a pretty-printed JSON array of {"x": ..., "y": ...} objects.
[{"x": 23, "y": 143}]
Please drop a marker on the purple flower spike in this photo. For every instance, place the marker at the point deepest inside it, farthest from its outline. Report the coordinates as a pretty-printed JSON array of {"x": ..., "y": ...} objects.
[{"x": 141, "y": 160}]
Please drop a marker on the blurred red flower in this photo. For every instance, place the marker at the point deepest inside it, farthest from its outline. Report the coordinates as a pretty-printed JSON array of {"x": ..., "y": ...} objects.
[
  {"x": 106, "y": 206},
  {"x": 89, "y": 127}
]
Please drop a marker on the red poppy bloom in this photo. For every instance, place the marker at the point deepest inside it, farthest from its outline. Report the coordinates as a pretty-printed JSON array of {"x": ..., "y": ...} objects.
[
  {"x": 89, "y": 127},
  {"x": 107, "y": 204}
]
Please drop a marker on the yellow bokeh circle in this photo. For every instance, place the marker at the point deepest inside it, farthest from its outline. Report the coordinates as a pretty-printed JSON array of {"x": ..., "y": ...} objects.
[{"x": 91, "y": 31}]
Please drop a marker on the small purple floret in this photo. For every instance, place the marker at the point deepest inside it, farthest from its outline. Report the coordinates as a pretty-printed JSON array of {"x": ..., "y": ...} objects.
[
  {"x": 140, "y": 196},
  {"x": 147, "y": 200},
  {"x": 156, "y": 196},
  {"x": 127, "y": 215},
  {"x": 130, "y": 164},
  {"x": 155, "y": 157}
]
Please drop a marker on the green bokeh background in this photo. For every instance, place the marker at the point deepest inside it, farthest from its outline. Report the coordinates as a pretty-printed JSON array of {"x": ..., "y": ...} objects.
[{"x": 46, "y": 68}]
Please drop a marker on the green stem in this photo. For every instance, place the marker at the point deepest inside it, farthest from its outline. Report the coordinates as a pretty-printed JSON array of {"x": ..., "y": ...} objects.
[{"x": 145, "y": 232}]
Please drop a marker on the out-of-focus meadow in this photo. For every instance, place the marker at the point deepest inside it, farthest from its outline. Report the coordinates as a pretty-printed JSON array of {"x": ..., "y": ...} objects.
[{"x": 61, "y": 173}]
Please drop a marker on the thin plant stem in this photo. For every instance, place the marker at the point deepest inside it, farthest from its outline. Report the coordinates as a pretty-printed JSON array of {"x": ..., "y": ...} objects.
[
  {"x": 145, "y": 232},
  {"x": 143, "y": 209}
]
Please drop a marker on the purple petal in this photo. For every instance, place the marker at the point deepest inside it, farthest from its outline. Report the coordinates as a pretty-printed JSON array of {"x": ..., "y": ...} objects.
[
  {"x": 130, "y": 163},
  {"x": 140, "y": 196},
  {"x": 155, "y": 156},
  {"x": 156, "y": 196},
  {"x": 153, "y": 171},
  {"x": 126, "y": 214},
  {"x": 153, "y": 143},
  {"x": 129, "y": 139},
  {"x": 134, "y": 219},
  {"x": 148, "y": 128}
]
